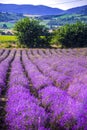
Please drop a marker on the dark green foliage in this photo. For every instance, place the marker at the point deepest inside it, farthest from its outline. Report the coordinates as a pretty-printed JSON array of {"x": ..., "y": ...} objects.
[
  {"x": 71, "y": 35},
  {"x": 31, "y": 33}
]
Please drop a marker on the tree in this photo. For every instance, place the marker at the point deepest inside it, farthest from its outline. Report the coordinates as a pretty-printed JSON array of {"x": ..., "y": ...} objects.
[
  {"x": 71, "y": 35},
  {"x": 30, "y": 33}
]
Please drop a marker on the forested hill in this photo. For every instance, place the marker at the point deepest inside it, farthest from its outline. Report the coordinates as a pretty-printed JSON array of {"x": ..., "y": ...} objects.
[
  {"x": 29, "y": 9},
  {"x": 5, "y": 17},
  {"x": 40, "y": 9},
  {"x": 53, "y": 18}
]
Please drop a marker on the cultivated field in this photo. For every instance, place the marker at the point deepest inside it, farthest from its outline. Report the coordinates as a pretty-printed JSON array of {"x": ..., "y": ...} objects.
[
  {"x": 7, "y": 38},
  {"x": 7, "y": 41},
  {"x": 43, "y": 89}
]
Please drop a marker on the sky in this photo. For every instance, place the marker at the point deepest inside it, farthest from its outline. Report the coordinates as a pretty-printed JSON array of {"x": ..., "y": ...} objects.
[{"x": 62, "y": 4}]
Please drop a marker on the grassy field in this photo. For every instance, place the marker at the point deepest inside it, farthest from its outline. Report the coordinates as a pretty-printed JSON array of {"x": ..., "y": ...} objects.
[
  {"x": 7, "y": 38},
  {"x": 7, "y": 41}
]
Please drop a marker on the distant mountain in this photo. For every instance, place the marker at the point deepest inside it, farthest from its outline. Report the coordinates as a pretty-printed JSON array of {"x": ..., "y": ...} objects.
[
  {"x": 78, "y": 10},
  {"x": 30, "y": 9}
]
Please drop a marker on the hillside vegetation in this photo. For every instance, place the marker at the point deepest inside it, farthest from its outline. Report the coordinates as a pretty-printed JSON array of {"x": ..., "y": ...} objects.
[
  {"x": 7, "y": 20},
  {"x": 50, "y": 17},
  {"x": 5, "y": 17},
  {"x": 53, "y": 21}
]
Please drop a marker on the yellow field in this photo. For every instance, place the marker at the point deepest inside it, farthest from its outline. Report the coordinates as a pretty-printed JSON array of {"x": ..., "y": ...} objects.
[
  {"x": 7, "y": 38},
  {"x": 7, "y": 41}
]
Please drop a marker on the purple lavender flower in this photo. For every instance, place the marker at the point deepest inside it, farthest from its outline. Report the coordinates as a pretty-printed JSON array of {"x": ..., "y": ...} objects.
[{"x": 23, "y": 110}]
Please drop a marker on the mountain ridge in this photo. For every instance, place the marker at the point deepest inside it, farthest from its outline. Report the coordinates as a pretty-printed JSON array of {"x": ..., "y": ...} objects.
[
  {"x": 29, "y": 9},
  {"x": 40, "y": 9},
  {"x": 78, "y": 10}
]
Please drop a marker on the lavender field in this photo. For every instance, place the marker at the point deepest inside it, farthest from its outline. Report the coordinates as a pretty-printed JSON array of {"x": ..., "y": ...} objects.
[{"x": 43, "y": 89}]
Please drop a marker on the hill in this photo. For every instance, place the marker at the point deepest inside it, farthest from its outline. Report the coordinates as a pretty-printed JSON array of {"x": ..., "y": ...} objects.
[
  {"x": 51, "y": 17},
  {"x": 78, "y": 10},
  {"x": 40, "y": 9},
  {"x": 69, "y": 16},
  {"x": 5, "y": 17},
  {"x": 29, "y": 9}
]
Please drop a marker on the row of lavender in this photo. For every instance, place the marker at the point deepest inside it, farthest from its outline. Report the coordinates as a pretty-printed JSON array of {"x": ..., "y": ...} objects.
[
  {"x": 5, "y": 60},
  {"x": 64, "y": 109},
  {"x": 66, "y": 70},
  {"x": 47, "y": 89},
  {"x": 23, "y": 109}
]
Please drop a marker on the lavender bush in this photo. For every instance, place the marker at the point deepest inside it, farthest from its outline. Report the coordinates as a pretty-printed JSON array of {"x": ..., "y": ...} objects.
[{"x": 23, "y": 110}]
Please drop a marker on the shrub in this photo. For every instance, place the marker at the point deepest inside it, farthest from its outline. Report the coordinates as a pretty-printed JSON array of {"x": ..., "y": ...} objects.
[
  {"x": 71, "y": 35},
  {"x": 30, "y": 33}
]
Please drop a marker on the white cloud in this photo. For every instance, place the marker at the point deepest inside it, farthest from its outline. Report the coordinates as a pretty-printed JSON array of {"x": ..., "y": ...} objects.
[{"x": 35, "y": 2}]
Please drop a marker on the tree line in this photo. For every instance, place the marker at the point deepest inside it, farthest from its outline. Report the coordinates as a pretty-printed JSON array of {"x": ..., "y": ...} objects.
[{"x": 34, "y": 35}]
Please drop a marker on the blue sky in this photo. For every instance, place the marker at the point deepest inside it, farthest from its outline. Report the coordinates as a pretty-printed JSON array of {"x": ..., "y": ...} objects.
[{"x": 62, "y": 4}]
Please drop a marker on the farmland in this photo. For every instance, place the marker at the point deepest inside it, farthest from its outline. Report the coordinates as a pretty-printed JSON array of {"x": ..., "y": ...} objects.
[
  {"x": 7, "y": 38},
  {"x": 43, "y": 89},
  {"x": 8, "y": 41}
]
